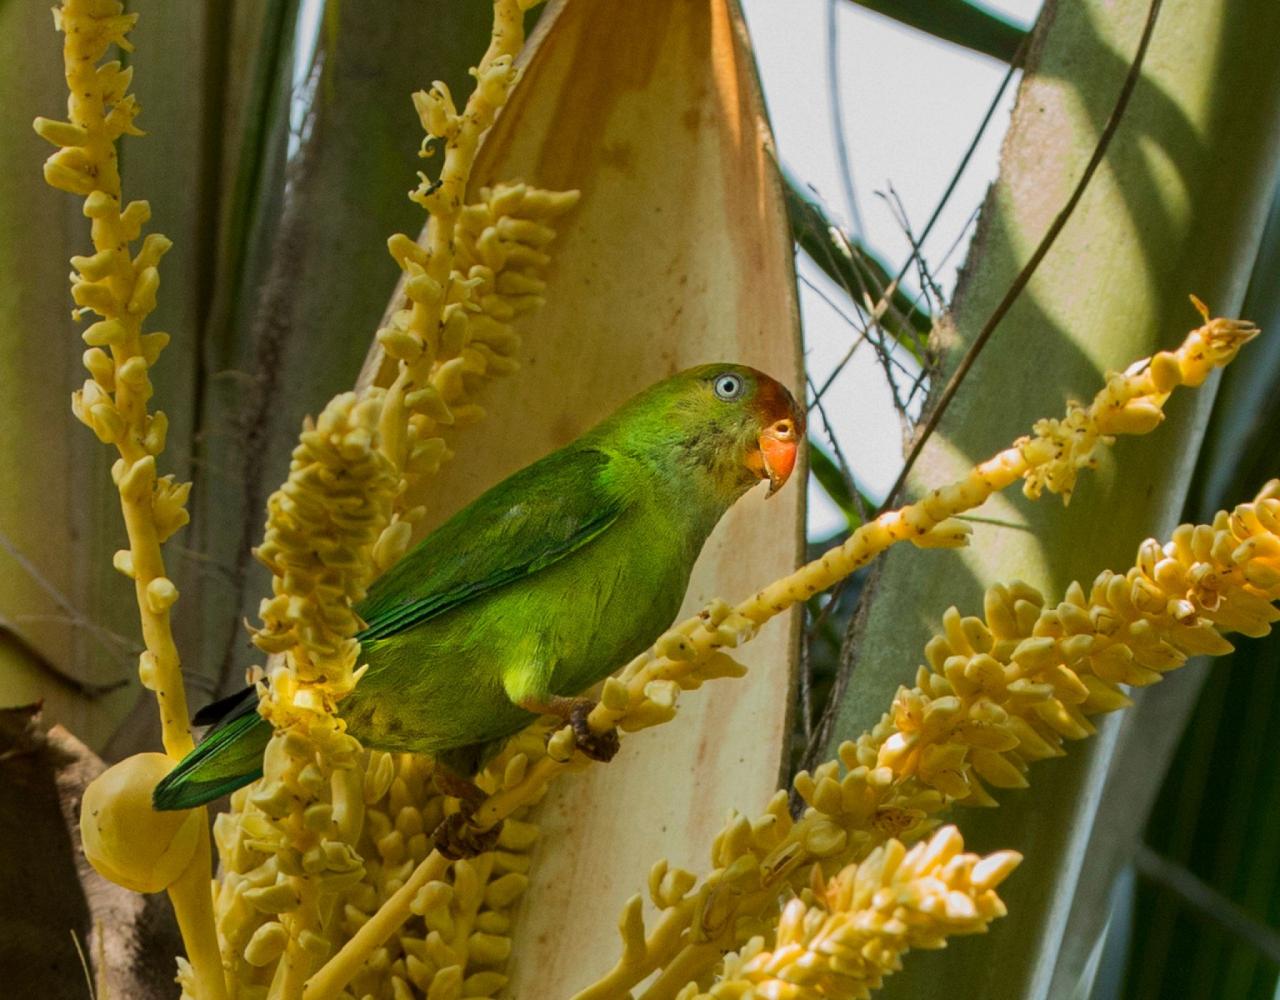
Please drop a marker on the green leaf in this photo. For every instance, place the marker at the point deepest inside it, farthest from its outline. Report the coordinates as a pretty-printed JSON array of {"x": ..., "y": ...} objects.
[
  {"x": 1218, "y": 816},
  {"x": 960, "y": 22}
]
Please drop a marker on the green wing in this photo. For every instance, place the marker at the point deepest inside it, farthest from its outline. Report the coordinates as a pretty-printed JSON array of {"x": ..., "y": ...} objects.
[{"x": 527, "y": 522}]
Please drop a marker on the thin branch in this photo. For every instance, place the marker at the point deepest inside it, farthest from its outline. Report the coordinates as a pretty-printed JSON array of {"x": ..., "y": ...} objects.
[
  {"x": 961, "y": 167},
  {"x": 967, "y": 158},
  {"x": 837, "y": 119},
  {"x": 928, "y": 284},
  {"x": 995, "y": 521},
  {"x": 1029, "y": 269}
]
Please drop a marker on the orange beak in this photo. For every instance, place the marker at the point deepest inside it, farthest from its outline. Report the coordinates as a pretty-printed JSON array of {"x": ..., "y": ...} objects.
[{"x": 779, "y": 444}]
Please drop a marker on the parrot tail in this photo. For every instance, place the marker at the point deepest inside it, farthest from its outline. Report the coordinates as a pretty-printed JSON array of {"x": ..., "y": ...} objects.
[{"x": 229, "y": 757}]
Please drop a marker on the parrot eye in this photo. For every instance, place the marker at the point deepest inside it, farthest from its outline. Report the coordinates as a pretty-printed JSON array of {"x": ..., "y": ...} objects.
[{"x": 729, "y": 386}]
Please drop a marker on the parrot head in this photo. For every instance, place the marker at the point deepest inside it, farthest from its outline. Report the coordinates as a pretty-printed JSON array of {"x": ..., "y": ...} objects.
[
  {"x": 730, "y": 421},
  {"x": 779, "y": 426}
]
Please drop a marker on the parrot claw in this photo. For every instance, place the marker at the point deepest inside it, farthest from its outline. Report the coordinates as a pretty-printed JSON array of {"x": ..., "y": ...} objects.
[
  {"x": 456, "y": 838},
  {"x": 598, "y": 746}
]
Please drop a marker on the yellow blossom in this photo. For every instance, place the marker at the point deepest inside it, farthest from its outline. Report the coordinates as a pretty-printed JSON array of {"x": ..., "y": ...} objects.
[
  {"x": 371, "y": 853},
  {"x": 322, "y": 525},
  {"x": 120, "y": 285},
  {"x": 996, "y": 694},
  {"x": 496, "y": 276},
  {"x": 840, "y": 938},
  {"x": 478, "y": 267}
]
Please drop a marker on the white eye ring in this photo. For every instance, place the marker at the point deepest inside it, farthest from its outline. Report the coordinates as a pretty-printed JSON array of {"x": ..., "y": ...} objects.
[{"x": 729, "y": 386}]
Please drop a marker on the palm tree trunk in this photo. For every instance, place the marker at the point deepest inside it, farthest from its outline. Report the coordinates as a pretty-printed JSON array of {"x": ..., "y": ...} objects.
[{"x": 1177, "y": 207}]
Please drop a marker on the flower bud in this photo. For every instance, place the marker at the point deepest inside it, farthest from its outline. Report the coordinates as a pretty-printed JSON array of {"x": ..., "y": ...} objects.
[{"x": 127, "y": 840}]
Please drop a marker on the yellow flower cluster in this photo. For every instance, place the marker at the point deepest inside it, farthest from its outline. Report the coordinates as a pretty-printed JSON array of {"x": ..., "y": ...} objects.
[
  {"x": 480, "y": 267},
  {"x": 124, "y": 839},
  {"x": 997, "y": 693},
  {"x": 499, "y": 258},
  {"x": 322, "y": 525},
  {"x": 1131, "y": 403},
  {"x": 297, "y": 827},
  {"x": 1001, "y": 693},
  {"x": 838, "y": 939},
  {"x": 453, "y": 931},
  {"x": 121, "y": 289}
]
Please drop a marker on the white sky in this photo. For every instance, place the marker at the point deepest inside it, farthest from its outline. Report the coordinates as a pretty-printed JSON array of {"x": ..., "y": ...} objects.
[{"x": 911, "y": 105}]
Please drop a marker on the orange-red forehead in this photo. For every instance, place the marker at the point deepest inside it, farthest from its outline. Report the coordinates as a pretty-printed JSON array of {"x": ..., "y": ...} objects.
[{"x": 775, "y": 403}]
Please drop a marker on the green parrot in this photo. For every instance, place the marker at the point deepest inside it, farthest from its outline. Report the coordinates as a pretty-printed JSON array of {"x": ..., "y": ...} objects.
[{"x": 539, "y": 588}]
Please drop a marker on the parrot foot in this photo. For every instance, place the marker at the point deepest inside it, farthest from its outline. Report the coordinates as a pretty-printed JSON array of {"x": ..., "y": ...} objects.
[
  {"x": 598, "y": 746},
  {"x": 456, "y": 838}
]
